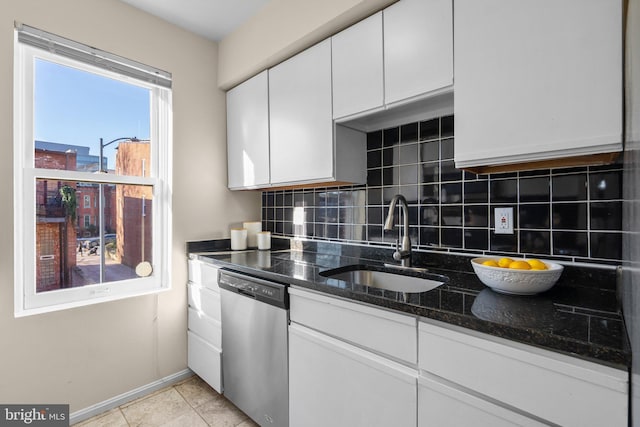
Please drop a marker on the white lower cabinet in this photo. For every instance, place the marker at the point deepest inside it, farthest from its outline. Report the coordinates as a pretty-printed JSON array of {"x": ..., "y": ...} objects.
[
  {"x": 205, "y": 327},
  {"x": 204, "y": 335},
  {"x": 444, "y": 404},
  {"x": 350, "y": 364},
  {"x": 332, "y": 383},
  {"x": 203, "y": 274},
  {"x": 549, "y": 386},
  {"x": 353, "y": 364},
  {"x": 205, "y": 360},
  {"x": 386, "y": 332}
]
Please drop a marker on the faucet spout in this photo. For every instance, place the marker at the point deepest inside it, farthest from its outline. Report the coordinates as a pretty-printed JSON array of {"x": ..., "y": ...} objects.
[{"x": 402, "y": 253}]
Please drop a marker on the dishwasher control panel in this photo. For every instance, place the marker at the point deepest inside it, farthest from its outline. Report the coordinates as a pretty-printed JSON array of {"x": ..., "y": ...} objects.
[{"x": 269, "y": 292}]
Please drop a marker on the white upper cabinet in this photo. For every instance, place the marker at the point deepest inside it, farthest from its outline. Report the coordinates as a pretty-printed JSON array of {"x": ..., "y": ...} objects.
[
  {"x": 357, "y": 68},
  {"x": 248, "y": 133},
  {"x": 393, "y": 67},
  {"x": 305, "y": 146},
  {"x": 280, "y": 129},
  {"x": 301, "y": 117},
  {"x": 536, "y": 80},
  {"x": 418, "y": 48}
]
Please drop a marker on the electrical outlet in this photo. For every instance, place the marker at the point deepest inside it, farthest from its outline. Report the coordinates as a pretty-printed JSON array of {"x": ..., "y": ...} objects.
[{"x": 504, "y": 220}]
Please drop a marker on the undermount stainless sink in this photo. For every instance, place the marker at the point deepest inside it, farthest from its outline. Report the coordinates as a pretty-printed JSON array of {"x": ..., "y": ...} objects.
[{"x": 391, "y": 279}]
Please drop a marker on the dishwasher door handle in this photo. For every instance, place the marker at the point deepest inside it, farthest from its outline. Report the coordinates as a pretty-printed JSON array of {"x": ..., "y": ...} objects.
[{"x": 246, "y": 293}]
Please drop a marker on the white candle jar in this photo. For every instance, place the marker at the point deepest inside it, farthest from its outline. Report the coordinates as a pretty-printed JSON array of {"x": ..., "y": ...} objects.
[
  {"x": 264, "y": 240},
  {"x": 238, "y": 239}
]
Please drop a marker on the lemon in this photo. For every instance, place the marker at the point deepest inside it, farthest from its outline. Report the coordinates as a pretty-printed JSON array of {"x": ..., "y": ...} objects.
[
  {"x": 505, "y": 262},
  {"x": 491, "y": 263},
  {"x": 520, "y": 265},
  {"x": 536, "y": 264}
]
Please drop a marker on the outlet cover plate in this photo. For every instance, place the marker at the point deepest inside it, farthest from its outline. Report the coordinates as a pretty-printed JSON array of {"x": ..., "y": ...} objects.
[{"x": 504, "y": 220}]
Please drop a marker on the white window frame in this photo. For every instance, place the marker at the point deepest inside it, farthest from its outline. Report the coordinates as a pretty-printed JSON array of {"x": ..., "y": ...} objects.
[
  {"x": 26, "y": 300},
  {"x": 87, "y": 201}
]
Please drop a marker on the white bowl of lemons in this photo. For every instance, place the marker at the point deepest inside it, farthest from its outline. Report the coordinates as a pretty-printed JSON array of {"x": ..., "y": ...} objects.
[{"x": 516, "y": 275}]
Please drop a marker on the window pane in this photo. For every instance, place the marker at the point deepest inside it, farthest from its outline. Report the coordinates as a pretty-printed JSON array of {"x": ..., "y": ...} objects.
[
  {"x": 76, "y": 112},
  {"x": 68, "y": 234}
]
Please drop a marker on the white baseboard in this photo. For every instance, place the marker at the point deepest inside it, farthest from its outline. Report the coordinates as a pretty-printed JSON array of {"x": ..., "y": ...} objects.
[{"x": 116, "y": 401}]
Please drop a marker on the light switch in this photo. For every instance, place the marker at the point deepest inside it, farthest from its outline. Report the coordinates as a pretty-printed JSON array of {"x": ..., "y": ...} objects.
[{"x": 504, "y": 220}]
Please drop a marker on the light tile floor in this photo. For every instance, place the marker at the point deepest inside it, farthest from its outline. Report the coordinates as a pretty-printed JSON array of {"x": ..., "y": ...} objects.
[{"x": 190, "y": 403}]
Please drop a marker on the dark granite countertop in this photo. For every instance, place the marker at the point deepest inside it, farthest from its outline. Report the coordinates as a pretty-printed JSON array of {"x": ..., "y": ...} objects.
[{"x": 579, "y": 316}]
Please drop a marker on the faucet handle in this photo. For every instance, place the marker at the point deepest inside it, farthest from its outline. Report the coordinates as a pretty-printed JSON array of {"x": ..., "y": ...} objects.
[{"x": 397, "y": 255}]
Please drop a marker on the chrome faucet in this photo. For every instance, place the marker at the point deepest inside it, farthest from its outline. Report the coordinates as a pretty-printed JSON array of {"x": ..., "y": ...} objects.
[{"x": 402, "y": 253}]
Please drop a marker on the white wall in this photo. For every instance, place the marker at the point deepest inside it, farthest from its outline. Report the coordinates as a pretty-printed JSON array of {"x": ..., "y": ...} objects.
[
  {"x": 283, "y": 28},
  {"x": 87, "y": 355}
]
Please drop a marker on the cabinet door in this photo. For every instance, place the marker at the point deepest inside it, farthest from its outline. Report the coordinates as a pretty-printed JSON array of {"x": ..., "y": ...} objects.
[
  {"x": 555, "y": 387},
  {"x": 418, "y": 48},
  {"x": 356, "y": 55},
  {"x": 333, "y": 383},
  {"x": 301, "y": 119},
  {"x": 536, "y": 80},
  {"x": 248, "y": 133},
  {"x": 444, "y": 404}
]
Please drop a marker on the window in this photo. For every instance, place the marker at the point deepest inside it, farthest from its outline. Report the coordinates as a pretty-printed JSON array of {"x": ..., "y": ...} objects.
[{"x": 89, "y": 126}]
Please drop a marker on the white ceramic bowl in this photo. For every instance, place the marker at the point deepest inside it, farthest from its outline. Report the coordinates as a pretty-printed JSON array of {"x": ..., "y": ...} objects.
[{"x": 517, "y": 282}]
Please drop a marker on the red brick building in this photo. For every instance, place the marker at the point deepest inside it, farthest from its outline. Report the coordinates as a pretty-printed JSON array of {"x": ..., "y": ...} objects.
[
  {"x": 88, "y": 195},
  {"x": 55, "y": 229},
  {"x": 134, "y": 205}
]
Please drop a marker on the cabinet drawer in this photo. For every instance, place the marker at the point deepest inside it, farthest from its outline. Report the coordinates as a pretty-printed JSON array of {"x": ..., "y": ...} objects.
[
  {"x": 555, "y": 387},
  {"x": 203, "y": 274},
  {"x": 208, "y": 329},
  {"x": 204, "y": 300},
  {"x": 444, "y": 404},
  {"x": 376, "y": 329},
  {"x": 205, "y": 360}
]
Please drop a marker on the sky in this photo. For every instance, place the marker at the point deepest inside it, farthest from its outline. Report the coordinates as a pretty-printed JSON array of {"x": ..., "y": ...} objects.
[{"x": 77, "y": 107}]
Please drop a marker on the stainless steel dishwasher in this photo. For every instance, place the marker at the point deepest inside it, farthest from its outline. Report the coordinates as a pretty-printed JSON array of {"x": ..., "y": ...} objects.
[{"x": 255, "y": 367}]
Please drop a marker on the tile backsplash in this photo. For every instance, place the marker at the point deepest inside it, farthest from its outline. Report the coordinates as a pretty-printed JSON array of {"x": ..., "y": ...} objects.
[{"x": 572, "y": 213}]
